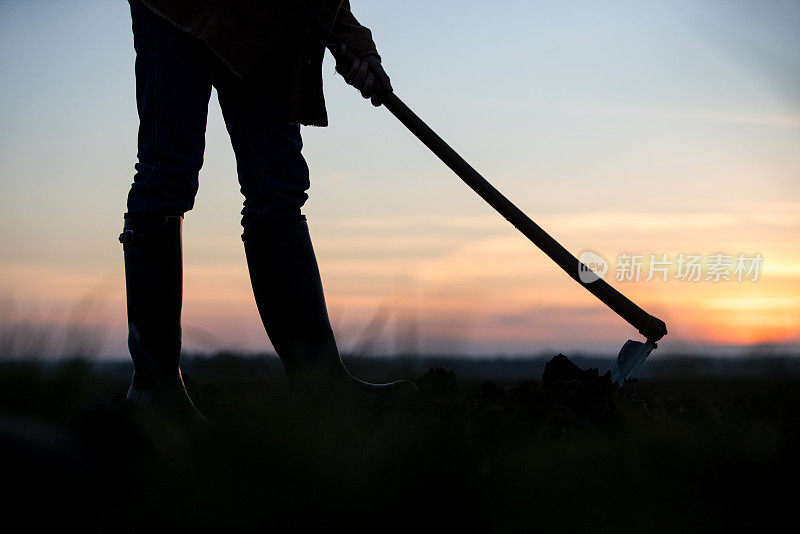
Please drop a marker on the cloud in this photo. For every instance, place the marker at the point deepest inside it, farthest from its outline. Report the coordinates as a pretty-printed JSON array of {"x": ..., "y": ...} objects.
[
  {"x": 410, "y": 221},
  {"x": 782, "y": 214},
  {"x": 682, "y": 113}
]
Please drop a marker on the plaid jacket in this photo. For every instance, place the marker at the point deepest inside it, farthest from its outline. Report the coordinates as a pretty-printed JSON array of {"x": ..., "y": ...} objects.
[{"x": 240, "y": 32}]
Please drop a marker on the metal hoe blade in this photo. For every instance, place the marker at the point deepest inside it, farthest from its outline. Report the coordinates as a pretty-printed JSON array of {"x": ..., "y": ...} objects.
[{"x": 631, "y": 356}]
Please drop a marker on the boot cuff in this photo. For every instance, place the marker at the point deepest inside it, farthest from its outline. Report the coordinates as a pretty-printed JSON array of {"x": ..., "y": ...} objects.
[
  {"x": 144, "y": 227},
  {"x": 266, "y": 225}
]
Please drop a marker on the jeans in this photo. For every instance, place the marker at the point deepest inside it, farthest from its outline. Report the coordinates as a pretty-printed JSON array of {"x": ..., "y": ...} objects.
[{"x": 174, "y": 76}]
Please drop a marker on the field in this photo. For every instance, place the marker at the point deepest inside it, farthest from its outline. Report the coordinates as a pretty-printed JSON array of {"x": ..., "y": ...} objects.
[{"x": 674, "y": 451}]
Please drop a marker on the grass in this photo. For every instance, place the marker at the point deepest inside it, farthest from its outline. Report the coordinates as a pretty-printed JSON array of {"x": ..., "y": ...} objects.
[{"x": 665, "y": 455}]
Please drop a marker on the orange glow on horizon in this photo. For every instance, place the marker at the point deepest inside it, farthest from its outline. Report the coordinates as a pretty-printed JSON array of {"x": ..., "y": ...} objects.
[{"x": 496, "y": 290}]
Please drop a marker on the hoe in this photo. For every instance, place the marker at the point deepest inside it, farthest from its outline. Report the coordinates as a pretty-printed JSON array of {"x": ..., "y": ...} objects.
[{"x": 633, "y": 353}]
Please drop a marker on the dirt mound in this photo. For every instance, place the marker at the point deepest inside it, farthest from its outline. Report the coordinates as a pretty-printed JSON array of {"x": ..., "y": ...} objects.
[
  {"x": 586, "y": 393},
  {"x": 561, "y": 368},
  {"x": 566, "y": 399},
  {"x": 438, "y": 381}
]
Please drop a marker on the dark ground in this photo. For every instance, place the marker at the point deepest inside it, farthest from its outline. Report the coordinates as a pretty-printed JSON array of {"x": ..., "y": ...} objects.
[{"x": 681, "y": 451}]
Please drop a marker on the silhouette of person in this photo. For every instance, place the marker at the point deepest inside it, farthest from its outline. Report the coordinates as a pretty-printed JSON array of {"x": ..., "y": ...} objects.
[{"x": 267, "y": 71}]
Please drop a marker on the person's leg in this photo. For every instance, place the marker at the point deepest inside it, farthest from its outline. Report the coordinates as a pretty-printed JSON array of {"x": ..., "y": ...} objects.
[
  {"x": 173, "y": 85},
  {"x": 283, "y": 269},
  {"x": 274, "y": 178},
  {"x": 273, "y": 174}
]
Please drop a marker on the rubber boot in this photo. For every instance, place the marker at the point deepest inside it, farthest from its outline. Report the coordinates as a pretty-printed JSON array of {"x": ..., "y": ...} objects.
[
  {"x": 288, "y": 292},
  {"x": 154, "y": 287}
]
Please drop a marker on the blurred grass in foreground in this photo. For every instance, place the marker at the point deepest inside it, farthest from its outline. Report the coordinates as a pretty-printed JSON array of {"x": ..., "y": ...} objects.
[{"x": 671, "y": 454}]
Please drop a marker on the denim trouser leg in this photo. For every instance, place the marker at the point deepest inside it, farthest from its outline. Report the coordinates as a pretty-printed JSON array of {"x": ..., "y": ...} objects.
[
  {"x": 273, "y": 175},
  {"x": 173, "y": 86},
  {"x": 174, "y": 76}
]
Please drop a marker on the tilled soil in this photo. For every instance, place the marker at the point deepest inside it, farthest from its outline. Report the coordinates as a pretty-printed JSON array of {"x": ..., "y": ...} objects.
[{"x": 568, "y": 452}]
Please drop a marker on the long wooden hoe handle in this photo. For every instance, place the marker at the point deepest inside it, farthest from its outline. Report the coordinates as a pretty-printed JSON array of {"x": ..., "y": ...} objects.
[{"x": 648, "y": 325}]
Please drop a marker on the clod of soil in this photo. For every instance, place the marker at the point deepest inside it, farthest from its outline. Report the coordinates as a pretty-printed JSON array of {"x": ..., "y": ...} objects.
[
  {"x": 589, "y": 395},
  {"x": 438, "y": 381},
  {"x": 561, "y": 368}
]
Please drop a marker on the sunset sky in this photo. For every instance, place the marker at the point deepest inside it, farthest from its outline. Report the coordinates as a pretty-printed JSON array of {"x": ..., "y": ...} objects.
[{"x": 621, "y": 127}]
